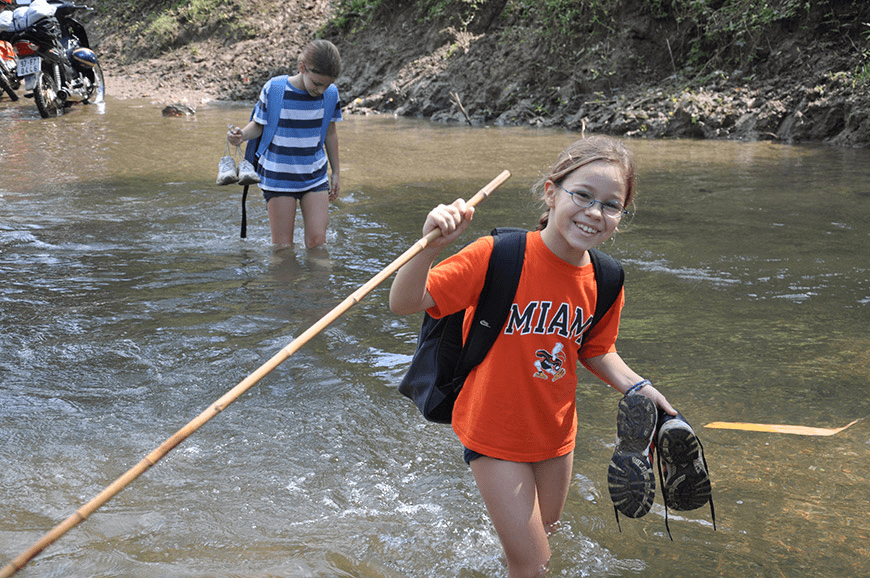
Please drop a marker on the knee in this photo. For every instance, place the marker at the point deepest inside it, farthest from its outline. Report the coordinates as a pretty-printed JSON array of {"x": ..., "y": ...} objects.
[
  {"x": 531, "y": 561},
  {"x": 314, "y": 240}
]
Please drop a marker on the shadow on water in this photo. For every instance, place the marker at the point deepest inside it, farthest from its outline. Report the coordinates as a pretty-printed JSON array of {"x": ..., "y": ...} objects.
[{"x": 129, "y": 304}]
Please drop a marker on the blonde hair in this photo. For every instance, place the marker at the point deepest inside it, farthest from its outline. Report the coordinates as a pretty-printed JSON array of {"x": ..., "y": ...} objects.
[
  {"x": 321, "y": 57},
  {"x": 583, "y": 152}
]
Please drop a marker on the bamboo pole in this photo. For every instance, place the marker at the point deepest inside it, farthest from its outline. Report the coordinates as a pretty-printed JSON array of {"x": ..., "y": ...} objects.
[{"x": 221, "y": 404}]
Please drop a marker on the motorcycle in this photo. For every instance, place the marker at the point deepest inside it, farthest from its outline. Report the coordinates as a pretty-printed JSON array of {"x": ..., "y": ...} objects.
[
  {"x": 9, "y": 81},
  {"x": 55, "y": 61}
]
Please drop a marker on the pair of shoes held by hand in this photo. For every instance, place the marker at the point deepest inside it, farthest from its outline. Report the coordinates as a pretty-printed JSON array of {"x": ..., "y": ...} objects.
[
  {"x": 683, "y": 471},
  {"x": 228, "y": 173}
]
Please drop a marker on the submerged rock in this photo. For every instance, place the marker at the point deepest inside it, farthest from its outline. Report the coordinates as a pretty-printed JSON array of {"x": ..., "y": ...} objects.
[{"x": 178, "y": 109}]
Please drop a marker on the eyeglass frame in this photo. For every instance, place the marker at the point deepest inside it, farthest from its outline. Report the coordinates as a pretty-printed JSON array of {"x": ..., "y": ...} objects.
[{"x": 592, "y": 200}]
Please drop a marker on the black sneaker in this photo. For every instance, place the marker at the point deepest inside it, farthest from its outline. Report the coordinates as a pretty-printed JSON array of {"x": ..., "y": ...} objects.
[
  {"x": 682, "y": 467},
  {"x": 630, "y": 475}
]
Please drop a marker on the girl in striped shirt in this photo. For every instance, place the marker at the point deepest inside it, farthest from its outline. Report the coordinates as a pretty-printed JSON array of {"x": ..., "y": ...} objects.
[{"x": 294, "y": 166}]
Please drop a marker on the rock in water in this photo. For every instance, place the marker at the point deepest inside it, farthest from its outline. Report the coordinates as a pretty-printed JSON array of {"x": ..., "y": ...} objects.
[{"x": 178, "y": 109}]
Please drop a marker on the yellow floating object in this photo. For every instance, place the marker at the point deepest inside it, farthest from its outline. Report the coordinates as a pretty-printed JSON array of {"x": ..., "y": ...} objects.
[{"x": 786, "y": 429}]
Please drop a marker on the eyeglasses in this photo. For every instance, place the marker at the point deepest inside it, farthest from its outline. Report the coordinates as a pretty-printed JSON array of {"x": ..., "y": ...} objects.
[{"x": 584, "y": 200}]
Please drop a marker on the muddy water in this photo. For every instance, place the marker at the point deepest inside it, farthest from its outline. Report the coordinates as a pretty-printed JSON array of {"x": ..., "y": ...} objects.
[{"x": 128, "y": 305}]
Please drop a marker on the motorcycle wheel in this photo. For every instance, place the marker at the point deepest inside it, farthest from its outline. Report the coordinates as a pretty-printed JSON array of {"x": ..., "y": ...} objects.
[
  {"x": 45, "y": 95},
  {"x": 6, "y": 86},
  {"x": 97, "y": 91}
]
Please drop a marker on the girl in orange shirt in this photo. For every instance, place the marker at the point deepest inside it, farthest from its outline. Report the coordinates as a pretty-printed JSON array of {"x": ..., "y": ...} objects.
[{"x": 516, "y": 413}]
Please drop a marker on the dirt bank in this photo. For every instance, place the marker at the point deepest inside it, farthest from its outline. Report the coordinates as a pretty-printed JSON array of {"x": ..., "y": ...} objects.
[{"x": 806, "y": 85}]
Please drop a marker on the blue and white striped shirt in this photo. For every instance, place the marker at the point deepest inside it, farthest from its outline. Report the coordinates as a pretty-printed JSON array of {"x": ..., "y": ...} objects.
[{"x": 295, "y": 160}]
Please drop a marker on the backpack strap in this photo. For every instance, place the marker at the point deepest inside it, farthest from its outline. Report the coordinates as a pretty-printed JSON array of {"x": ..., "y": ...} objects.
[
  {"x": 610, "y": 277},
  {"x": 330, "y": 101},
  {"x": 496, "y": 298},
  {"x": 275, "y": 88}
]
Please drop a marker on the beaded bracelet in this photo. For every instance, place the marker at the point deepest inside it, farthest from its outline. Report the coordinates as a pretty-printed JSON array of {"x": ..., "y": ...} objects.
[{"x": 637, "y": 386}]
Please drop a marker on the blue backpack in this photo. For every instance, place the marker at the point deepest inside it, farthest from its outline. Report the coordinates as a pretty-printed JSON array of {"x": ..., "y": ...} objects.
[
  {"x": 442, "y": 361},
  {"x": 274, "y": 102}
]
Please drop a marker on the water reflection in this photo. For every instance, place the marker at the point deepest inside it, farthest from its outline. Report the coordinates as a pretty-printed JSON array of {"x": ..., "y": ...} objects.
[{"x": 129, "y": 304}]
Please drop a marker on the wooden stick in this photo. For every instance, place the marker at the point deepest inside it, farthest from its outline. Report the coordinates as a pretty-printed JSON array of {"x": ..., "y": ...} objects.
[
  {"x": 786, "y": 429},
  {"x": 221, "y": 404},
  {"x": 455, "y": 98}
]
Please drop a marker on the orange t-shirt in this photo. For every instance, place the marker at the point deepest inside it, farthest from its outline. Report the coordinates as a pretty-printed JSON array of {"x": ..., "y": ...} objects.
[{"x": 519, "y": 404}]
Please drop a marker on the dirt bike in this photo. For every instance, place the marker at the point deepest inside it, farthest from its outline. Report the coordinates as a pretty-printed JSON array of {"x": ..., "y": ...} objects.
[
  {"x": 54, "y": 57},
  {"x": 9, "y": 81}
]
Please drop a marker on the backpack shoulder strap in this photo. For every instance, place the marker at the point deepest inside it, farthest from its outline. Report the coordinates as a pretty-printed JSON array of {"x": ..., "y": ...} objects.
[
  {"x": 275, "y": 100},
  {"x": 496, "y": 297},
  {"x": 330, "y": 101},
  {"x": 610, "y": 277}
]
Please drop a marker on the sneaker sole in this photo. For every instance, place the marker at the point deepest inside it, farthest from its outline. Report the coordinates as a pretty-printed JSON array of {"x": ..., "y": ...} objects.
[
  {"x": 687, "y": 485},
  {"x": 630, "y": 476}
]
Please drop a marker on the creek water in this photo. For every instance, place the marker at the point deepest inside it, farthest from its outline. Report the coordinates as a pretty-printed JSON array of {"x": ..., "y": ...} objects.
[{"x": 129, "y": 304}]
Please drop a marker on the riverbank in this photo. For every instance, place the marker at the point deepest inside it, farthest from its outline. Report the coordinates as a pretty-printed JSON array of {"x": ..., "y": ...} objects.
[{"x": 808, "y": 81}]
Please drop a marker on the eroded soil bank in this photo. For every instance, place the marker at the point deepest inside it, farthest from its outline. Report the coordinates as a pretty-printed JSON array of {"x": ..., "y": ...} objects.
[{"x": 808, "y": 84}]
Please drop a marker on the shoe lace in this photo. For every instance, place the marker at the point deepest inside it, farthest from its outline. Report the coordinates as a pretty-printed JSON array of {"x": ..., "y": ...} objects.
[{"x": 664, "y": 498}]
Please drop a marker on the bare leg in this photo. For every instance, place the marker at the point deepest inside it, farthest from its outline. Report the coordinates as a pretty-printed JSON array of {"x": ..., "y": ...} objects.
[
  {"x": 282, "y": 219},
  {"x": 524, "y": 501},
  {"x": 315, "y": 213},
  {"x": 552, "y": 478}
]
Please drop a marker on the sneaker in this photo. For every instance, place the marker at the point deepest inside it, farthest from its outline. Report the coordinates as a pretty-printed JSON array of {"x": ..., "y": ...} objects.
[
  {"x": 247, "y": 174},
  {"x": 630, "y": 475},
  {"x": 227, "y": 171},
  {"x": 682, "y": 467}
]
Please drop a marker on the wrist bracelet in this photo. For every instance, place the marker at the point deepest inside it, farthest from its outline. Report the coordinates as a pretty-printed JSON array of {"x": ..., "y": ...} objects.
[{"x": 638, "y": 386}]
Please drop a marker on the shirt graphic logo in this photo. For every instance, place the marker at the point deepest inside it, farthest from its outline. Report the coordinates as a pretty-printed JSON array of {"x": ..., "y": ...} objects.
[{"x": 549, "y": 363}]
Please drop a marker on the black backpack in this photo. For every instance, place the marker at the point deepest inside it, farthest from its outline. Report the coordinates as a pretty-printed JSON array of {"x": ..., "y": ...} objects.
[{"x": 442, "y": 362}]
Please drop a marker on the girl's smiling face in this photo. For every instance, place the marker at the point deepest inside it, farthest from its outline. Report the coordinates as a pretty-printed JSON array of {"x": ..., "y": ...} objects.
[{"x": 572, "y": 230}]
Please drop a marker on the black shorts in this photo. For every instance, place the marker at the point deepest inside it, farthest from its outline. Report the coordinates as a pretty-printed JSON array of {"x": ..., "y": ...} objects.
[
  {"x": 471, "y": 455},
  {"x": 298, "y": 196}
]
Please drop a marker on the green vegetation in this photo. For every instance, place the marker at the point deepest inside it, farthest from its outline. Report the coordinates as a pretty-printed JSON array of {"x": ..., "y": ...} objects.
[
  {"x": 166, "y": 22},
  {"x": 862, "y": 71},
  {"x": 702, "y": 37},
  {"x": 705, "y": 33},
  {"x": 354, "y": 15}
]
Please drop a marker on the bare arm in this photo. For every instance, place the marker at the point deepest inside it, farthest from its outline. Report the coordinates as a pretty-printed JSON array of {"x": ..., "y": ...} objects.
[
  {"x": 331, "y": 143},
  {"x": 408, "y": 293},
  {"x": 612, "y": 368}
]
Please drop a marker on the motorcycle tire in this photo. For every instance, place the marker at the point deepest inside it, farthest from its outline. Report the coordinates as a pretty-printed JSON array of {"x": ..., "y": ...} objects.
[
  {"x": 97, "y": 90},
  {"x": 45, "y": 95},
  {"x": 7, "y": 87}
]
